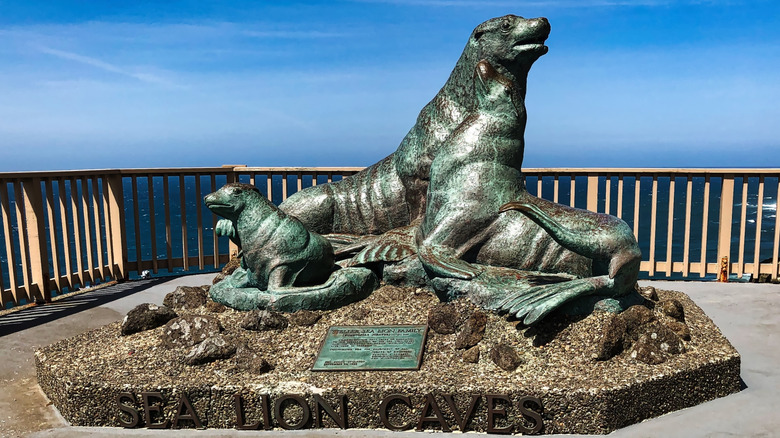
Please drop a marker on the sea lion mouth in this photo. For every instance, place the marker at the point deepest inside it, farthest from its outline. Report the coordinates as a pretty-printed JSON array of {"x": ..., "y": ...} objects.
[{"x": 539, "y": 48}]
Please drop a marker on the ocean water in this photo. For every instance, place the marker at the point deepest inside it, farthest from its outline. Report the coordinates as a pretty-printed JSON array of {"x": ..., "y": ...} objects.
[{"x": 192, "y": 202}]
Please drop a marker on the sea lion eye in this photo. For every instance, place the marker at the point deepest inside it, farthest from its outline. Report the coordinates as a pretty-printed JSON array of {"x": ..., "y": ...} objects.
[{"x": 506, "y": 26}]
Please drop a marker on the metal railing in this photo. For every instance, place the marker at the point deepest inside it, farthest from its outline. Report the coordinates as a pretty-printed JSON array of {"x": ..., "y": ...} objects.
[{"x": 64, "y": 230}]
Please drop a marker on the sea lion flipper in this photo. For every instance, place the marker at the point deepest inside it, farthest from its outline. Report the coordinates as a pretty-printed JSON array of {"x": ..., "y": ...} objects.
[{"x": 436, "y": 260}]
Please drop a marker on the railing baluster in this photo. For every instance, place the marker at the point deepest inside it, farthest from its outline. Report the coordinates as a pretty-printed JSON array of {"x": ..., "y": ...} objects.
[
  {"x": 167, "y": 212},
  {"x": 687, "y": 241},
  {"x": 199, "y": 220},
  {"x": 300, "y": 181},
  {"x": 54, "y": 240},
  {"x": 592, "y": 203},
  {"x": 607, "y": 193},
  {"x": 269, "y": 179},
  {"x": 90, "y": 268},
  {"x": 653, "y": 219},
  {"x": 573, "y": 190},
  {"x": 555, "y": 188},
  {"x": 759, "y": 218},
  {"x": 704, "y": 222},
  {"x": 214, "y": 224},
  {"x": 620, "y": 196},
  {"x": 637, "y": 185},
  {"x": 330, "y": 177},
  {"x": 113, "y": 193},
  {"x": 539, "y": 186},
  {"x": 152, "y": 224},
  {"x": 13, "y": 282},
  {"x": 669, "y": 229},
  {"x": 284, "y": 186},
  {"x": 137, "y": 224},
  {"x": 22, "y": 234},
  {"x": 743, "y": 216},
  {"x": 67, "y": 231},
  {"x": 109, "y": 270},
  {"x": 76, "y": 213},
  {"x": 724, "y": 221},
  {"x": 776, "y": 252},
  {"x": 183, "y": 204},
  {"x": 98, "y": 237}
]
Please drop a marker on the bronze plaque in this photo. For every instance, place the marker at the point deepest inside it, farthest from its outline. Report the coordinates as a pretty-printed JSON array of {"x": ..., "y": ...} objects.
[{"x": 371, "y": 347}]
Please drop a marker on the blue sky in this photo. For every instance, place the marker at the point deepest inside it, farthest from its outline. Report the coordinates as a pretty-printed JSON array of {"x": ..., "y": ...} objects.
[{"x": 87, "y": 84}]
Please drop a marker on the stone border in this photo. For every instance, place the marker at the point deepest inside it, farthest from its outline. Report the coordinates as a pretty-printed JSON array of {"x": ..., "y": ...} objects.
[{"x": 569, "y": 403}]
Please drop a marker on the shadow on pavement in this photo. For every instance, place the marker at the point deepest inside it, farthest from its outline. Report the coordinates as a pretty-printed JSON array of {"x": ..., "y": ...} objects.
[{"x": 34, "y": 316}]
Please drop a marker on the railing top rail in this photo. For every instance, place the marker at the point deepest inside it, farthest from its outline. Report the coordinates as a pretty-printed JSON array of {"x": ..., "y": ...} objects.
[
  {"x": 653, "y": 171},
  {"x": 296, "y": 169},
  {"x": 6, "y": 176}
]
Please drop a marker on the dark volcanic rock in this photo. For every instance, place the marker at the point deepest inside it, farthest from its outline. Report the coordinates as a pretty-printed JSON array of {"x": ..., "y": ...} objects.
[
  {"x": 635, "y": 317},
  {"x": 505, "y": 357},
  {"x": 644, "y": 350},
  {"x": 248, "y": 360},
  {"x": 656, "y": 343},
  {"x": 672, "y": 308},
  {"x": 680, "y": 329},
  {"x": 188, "y": 330},
  {"x": 443, "y": 318},
  {"x": 471, "y": 355},
  {"x": 186, "y": 297},
  {"x": 215, "y": 307},
  {"x": 473, "y": 331},
  {"x": 261, "y": 320},
  {"x": 230, "y": 266},
  {"x": 304, "y": 318},
  {"x": 212, "y": 348},
  {"x": 648, "y": 292},
  {"x": 146, "y": 317},
  {"x": 359, "y": 314},
  {"x": 610, "y": 338}
]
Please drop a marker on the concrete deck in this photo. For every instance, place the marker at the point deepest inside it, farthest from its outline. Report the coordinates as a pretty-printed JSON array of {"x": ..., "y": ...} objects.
[{"x": 746, "y": 313}]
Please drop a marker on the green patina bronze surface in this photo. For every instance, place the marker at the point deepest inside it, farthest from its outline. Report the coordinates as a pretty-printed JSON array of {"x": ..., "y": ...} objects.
[
  {"x": 448, "y": 210},
  {"x": 371, "y": 347},
  {"x": 284, "y": 266}
]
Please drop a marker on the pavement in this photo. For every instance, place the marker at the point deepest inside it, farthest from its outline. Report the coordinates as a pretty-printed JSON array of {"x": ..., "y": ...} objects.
[{"x": 746, "y": 313}]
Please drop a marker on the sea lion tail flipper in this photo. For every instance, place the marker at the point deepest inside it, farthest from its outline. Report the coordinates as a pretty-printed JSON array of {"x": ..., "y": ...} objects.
[
  {"x": 562, "y": 234},
  {"x": 533, "y": 304},
  {"x": 446, "y": 265}
]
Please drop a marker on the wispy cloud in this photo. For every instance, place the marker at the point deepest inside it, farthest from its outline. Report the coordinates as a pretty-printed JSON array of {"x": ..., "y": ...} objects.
[
  {"x": 97, "y": 63},
  {"x": 539, "y": 3},
  {"x": 285, "y": 34}
]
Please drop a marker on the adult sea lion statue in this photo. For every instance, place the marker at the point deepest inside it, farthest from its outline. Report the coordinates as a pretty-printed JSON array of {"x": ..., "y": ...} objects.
[
  {"x": 283, "y": 265},
  {"x": 479, "y": 216},
  {"x": 392, "y": 192}
]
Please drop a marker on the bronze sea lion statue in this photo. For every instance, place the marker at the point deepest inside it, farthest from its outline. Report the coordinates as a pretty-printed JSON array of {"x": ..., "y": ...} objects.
[
  {"x": 392, "y": 192},
  {"x": 283, "y": 264}
]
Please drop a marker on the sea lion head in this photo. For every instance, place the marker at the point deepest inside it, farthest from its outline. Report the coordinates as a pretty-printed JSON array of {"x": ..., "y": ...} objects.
[
  {"x": 511, "y": 43},
  {"x": 496, "y": 93},
  {"x": 230, "y": 200}
]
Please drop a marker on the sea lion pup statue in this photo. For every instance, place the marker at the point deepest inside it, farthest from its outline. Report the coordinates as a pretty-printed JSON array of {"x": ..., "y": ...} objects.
[
  {"x": 284, "y": 266},
  {"x": 392, "y": 192}
]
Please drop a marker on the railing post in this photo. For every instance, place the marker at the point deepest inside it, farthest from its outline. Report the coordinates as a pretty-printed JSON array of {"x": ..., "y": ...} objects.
[
  {"x": 593, "y": 193},
  {"x": 724, "y": 224},
  {"x": 36, "y": 237},
  {"x": 116, "y": 220}
]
